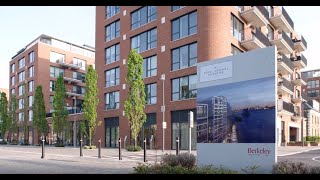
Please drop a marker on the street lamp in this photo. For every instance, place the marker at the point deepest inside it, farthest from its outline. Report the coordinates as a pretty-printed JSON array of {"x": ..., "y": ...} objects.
[
  {"x": 74, "y": 122},
  {"x": 163, "y": 77},
  {"x": 306, "y": 107}
]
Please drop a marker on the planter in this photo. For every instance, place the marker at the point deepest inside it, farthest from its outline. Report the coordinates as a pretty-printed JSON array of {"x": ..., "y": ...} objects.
[
  {"x": 315, "y": 144},
  {"x": 299, "y": 144}
]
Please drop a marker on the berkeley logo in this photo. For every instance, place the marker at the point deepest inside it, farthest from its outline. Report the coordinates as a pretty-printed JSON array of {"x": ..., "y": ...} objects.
[{"x": 259, "y": 151}]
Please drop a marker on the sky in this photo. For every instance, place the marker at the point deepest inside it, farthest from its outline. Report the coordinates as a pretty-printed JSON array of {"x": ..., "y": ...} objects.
[{"x": 20, "y": 25}]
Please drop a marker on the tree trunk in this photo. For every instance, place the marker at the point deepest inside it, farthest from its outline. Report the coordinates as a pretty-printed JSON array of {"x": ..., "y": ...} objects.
[
  {"x": 135, "y": 141},
  {"x": 90, "y": 136}
]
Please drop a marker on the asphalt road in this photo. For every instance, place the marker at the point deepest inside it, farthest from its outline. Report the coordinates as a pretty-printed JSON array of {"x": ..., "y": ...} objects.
[{"x": 311, "y": 158}]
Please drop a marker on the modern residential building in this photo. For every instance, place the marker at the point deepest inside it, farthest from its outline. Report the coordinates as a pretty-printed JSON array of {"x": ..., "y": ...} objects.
[
  {"x": 172, "y": 39},
  {"x": 312, "y": 123},
  {"x": 312, "y": 88},
  {"x": 218, "y": 126},
  {"x": 40, "y": 63},
  {"x": 202, "y": 123}
]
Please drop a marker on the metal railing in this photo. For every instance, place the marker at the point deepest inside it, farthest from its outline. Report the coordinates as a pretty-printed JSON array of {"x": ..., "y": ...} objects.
[
  {"x": 302, "y": 58},
  {"x": 287, "y": 17},
  {"x": 286, "y": 38},
  {"x": 287, "y": 84},
  {"x": 70, "y": 111},
  {"x": 256, "y": 34},
  {"x": 286, "y": 61},
  {"x": 288, "y": 106},
  {"x": 263, "y": 11},
  {"x": 304, "y": 42}
]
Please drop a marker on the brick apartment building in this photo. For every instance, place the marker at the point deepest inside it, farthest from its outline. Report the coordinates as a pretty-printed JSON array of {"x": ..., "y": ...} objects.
[
  {"x": 172, "y": 39},
  {"x": 312, "y": 87},
  {"x": 40, "y": 63}
]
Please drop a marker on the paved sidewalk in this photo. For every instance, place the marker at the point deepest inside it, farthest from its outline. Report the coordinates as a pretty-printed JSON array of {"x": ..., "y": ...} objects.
[{"x": 290, "y": 150}]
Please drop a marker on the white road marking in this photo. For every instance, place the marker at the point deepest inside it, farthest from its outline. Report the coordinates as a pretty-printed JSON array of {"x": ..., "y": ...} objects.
[{"x": 315, "y": 159}]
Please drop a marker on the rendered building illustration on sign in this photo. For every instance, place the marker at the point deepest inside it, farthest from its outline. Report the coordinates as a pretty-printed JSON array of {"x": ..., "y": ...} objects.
[{"x": 236, "y": 112}]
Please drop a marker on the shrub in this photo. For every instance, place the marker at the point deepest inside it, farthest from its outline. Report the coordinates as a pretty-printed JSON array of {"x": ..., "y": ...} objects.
[
  {"x": 169, "y": 159},
  {"x": 59, "y": 145},
  {"x": 291, "y": 142},
  {"x": 186, "y": 160},
  {"x": 133, "y": 148},
  {"x": 286, "y": 167},
  {"x": 89, "y": 147}
]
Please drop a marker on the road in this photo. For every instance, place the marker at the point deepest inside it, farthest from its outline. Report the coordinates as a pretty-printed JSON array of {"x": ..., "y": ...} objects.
[{"x": 311, "y": 158}]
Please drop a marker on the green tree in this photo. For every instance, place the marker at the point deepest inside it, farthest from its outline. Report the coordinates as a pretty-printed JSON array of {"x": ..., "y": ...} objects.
[
  {"x": 90, "y": 103},
  {"x": 60, "y": 114},
  {"x": 135, "y": 103},
  {"x": 39, "y": 113},
  {"x": 4, "y": 121},
  {"x": 13, "y": 126},
  {"x": 24, "y": 124}
]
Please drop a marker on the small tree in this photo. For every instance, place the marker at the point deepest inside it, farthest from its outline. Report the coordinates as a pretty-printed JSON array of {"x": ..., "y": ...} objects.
[
  {"x": 13, "y": 127},
  {"x": 90, "y": 103},
  {"x": 39, "y": 113},
  {"x": 4, "y": 121},
  {"x": 60, "y": 113},
  {"x": 135, "y": 103},
  {"x": 25, "y": 115}
]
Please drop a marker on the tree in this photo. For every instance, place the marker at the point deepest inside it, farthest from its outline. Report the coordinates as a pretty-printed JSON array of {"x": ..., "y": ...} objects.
[
  {"x": 25, "y": 115},
  {"x": 60, "y": 114},
  {"x": 90, "y": 103},
  {"x": 4, "y": 123},
  {"x": 135, "y": 103},
  {"x": 13, "y": 126},
  {"x": 39, "y": 113}
]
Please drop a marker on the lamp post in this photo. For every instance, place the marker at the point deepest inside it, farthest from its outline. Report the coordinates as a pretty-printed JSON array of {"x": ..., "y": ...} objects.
[
  {"x": 163, "y": 77},
  {"x": 306, "y": 107},
  {"x": 74, "y": 122}
]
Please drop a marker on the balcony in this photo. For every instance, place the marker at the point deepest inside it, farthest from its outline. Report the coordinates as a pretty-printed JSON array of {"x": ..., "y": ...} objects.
[
  {"x": 282, "y": 20},
  {"x": 285, "y": 87},
  {"x": 70, "y": 93},
  {"x": 299, "y": 80},
  {"x": 283, "y": 42},
  {"x": 68, "y": 65},
  {"x": 296, "y": 99},
  {"x": 255, "y": 15},
  {"x": 296, "y": 114},
  {"x": 285, "y": 65},
  {"x": 299, "y": 62},
  {"x": 300, "y": 45},
  {"x": 285, "y": 107},
  {"x": 253, "y": 40},
  {"x": 71, "y": 110},
  {"x": 72, "y": 80}
]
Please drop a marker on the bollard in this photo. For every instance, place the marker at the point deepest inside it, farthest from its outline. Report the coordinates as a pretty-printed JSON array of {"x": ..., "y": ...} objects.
[
  {"x": 81, "y": 148},
  {"x": 177, "y": 146},
  {"x": 144, "y": 150},
  {"x": 99, "y": 150},
  {"x": 42, "y": 148},
  {"x": 119, "y": 144}
]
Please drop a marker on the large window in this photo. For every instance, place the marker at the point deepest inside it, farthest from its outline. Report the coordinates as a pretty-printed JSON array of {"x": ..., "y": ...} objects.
[
  {"x": 112, "y": 100},
  {"x": 79, "y": 90},
  {"x": 79, "y": 76},
  {"x": 237, "y": 28},
  {"x": 21, "y": 90},
  {"x": 184, "y": 26},
  {"x": 21, "y": 103},
  {"x": 143, "y": 16},
  {"x": 235, "y": 50},
  {"x": 113, "y": 30},
  {"x": 313, "y": 84},
  {"x": 56, "y": 72},
  {"x": 112, "y": 132},
  {"x": 22, "y": 63},
  {"x": 112, "y": 10},
  {"x": 148, "y": 130},
  {"x": 30, "y": 85},
  {"x": 113, "y": 77},
  {"x": 30, "y": 101},
  {"x": 56, "y": 57},
  {"x": 31, "y": 57},
  {"x": 314, "y": 93},
  {"x": 79, "y": 62},
  {"x": 31, "y": 71},
  {"x": 185, "y": 56},
  {"x": 144, "y": 41},
  {"x": 21, "y": 76},
  {"x": 21, "y": 116},
  {"x": 184, "y": 87},
  {"x": 30, "y": 115},
  {"x": 13, "y": 80},
  {"x": 52, "y": 85},
  {"x": 151, "y": 93},
  {"x": 51, "y": 102},
  {"x": 12, "y": 91},
  {"x": 113, "y": 54},
  {"x": 12, "y": 68},
  {"x": 150, "y": 66},
  {"x": 174, "y": 8}
]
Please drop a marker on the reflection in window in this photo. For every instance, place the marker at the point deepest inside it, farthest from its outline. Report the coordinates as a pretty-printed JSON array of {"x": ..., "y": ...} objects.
[
  {"x": 184, "y": 87},
  {"x": 112, "y": 100},
  {"x": 143, "y": 16},
  {"x": 184, "y": 26},
  {"x": 184, "y": 56}
]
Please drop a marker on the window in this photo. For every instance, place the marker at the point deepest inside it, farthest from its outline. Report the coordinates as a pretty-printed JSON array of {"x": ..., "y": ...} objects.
[
  {"x": 21, "y": 103},
  {"x": 112, "y": 100},
  {"x": 21, "y": 76},
  {"x": 30, "y": 115},
  {"x": 12, "y": 68},
  {"x": 185, "y": 56},
  {"x": 235, "y": 50},
  {"x": 21, "y": 90},
  {"x": 270, "y": 34},
  {"x": 112, "y": 10},
  {"x": 174, "y": 8},
  {"x": 52, "y": 85},
  {"x": 51, "y": 102},
  {"x": 21, "y": 116},
  {"x": 313, "y": 84},
  {"x": 12, "y": 80},
  {"x": 30, "y": 101},
  {"x": 237, "y": 28},
  {"x": 148, "y": 130},
  {"x": 270, "y": 10},
  {"x": 78, "y": 89},
  {"x": 113, "y": 54},
  {"x": 31, "y": 71},
  {"x": 79, "y": 62},
  {"x": 31, "y": 57},
  {"x": 56, "y": 57},
  {"x": 55, "y": 72},
  {"x": 21, "y": 63},
  {"x": 79, "y": 76},
  {"x": 184, "y": 87},
  {"x": 113, "y": 30},
  {"x": 12, "y": 91},
  {"x": 144, "y": 41},
  {"x": 30, "y": 85},
  {"x": 112, "y": 77},
  {"x": 150, "y": 66},
  {"x": 313, "y": 93},
  {"x": 151, "y": 93},
  {"x": 112, "y": 131},
  {"x": 184, "y": 26},
  {"x": 143, "y": 16}
]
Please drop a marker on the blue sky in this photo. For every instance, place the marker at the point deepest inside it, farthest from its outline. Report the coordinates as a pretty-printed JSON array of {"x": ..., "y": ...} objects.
[{"x": 20, "y": 25}]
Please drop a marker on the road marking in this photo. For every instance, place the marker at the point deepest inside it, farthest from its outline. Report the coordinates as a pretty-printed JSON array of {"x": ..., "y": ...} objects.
[{"x": 315, "y": 159}]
